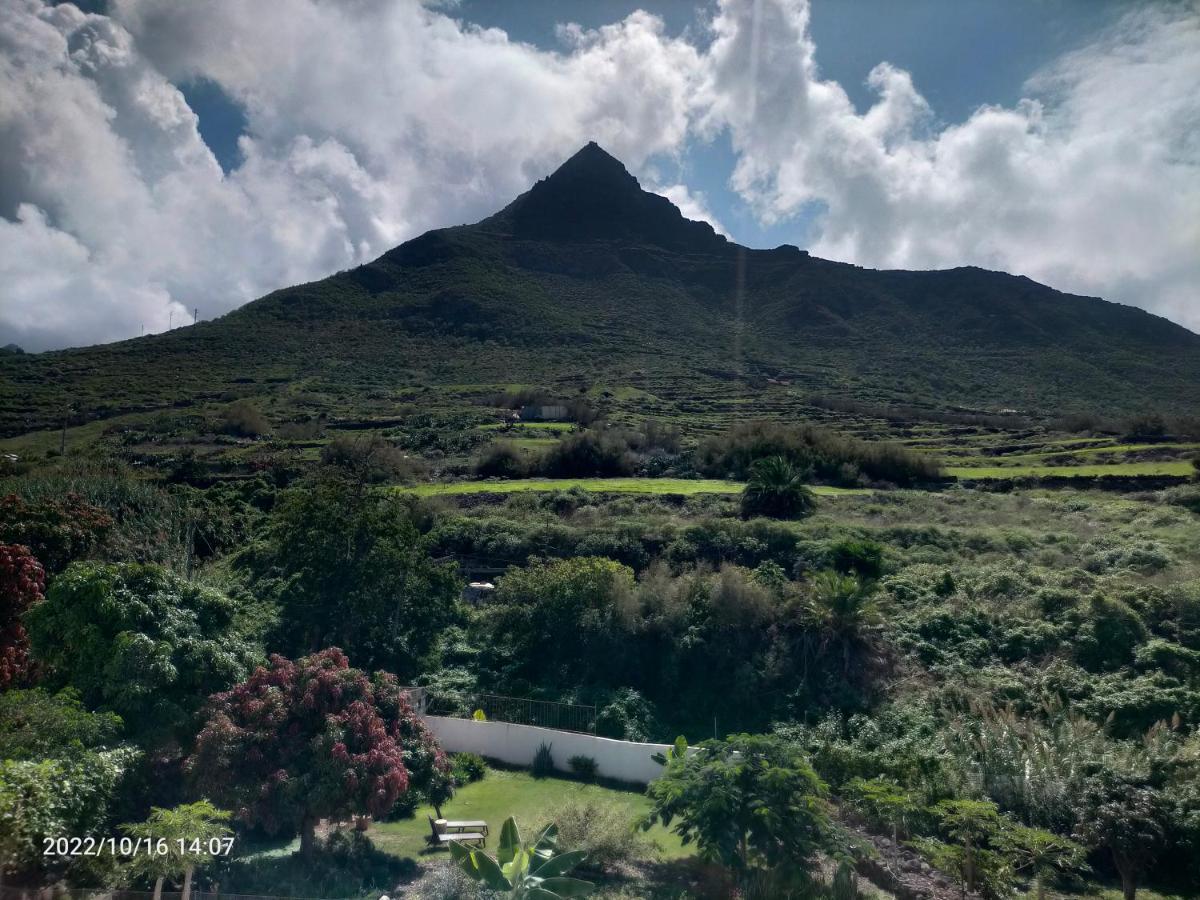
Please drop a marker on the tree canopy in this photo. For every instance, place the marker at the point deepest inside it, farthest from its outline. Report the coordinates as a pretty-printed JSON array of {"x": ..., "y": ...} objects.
[{"x": 139, "y": 641}]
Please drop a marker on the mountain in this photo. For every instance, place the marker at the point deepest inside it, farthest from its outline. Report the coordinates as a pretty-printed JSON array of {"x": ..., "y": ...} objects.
[{"x": 586, "y": 280}]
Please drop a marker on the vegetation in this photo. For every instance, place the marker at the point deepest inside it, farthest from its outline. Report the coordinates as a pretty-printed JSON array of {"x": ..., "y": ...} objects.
[
  {"x": 534, "y": 869},
  {"x": 300, "y": 741}
]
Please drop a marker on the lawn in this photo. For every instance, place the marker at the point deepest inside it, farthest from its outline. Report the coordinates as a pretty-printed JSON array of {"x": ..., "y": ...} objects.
[
  {"x": 507, "y": 793},
  {"x": 682, "y": 486},
  {"x": 1124, "y": 470},
  {"x": 544, "y": 426}
]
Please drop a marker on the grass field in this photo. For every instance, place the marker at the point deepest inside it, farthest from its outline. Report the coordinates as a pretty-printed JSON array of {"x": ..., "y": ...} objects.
[
  {"x": 1124, "y": 470},
  {"x": 531, "y": 800},
  {"x": 678, "y": 486},
  {"x": 530, "y": 426}
]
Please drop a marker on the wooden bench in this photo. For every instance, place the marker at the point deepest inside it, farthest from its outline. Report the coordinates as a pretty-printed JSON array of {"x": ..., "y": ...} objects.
[{"x": 453, "y": 831}]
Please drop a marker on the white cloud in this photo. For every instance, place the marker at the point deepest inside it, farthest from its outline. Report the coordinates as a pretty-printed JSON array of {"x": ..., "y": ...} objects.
[
  {"x": 368, "y": 122},
  {"x": 1090, "y": 185},
  {"x": 371, "y": 121}
]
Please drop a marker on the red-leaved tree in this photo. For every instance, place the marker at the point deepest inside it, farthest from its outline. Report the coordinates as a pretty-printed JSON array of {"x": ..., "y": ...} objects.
[
  {"x": 58, "y": 530},
  {"x": 310, "y": 739},
  {"x": 22, "y": 580}
]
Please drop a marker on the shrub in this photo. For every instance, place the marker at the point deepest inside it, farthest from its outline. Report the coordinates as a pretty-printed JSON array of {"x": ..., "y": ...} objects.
[
  {"x": 776, "y": 489},
  {"x": 502, "y": 460},
  {"x": 584, "y": 767},
  {"x": 733, "y": 453},
  {"x": 468, "y": 767},
  {"x": 244, "y": 419},
  {"x": 604, "y": 832},
  {"x": 590, "y": 453},
  {"x": 543, "y": 761}
]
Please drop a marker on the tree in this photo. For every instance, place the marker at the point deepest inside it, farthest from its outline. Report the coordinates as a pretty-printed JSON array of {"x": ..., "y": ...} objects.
[
  {"x": 140, "y": 641},
  {"x": 189, "y": 836},
  {"x": 973, "y": 824},
  {"x": 842, "y": 606},
  {"x": 1125, "y": 816},
  {"x": 776, "y": 489},
  {"x": 744, "y": 799},
  {"x": 35, "y": 724},
  {"x": 55, "y": 798},
  {"x": 57, "y": 531},
  {"x": 300, "y": 741},
  {"x": 357, "y": 575},
  {"x": 558, "y": 622},
  {"x": 884, "y": 802},
  {"x": 22, "y": 580},
  {"x": 536, "y": 870},
  {"x": 1040, "y": 852}
]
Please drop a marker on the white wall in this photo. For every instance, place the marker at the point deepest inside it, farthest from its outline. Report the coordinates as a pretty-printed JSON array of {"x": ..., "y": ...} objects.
[{"x": 517, "y": 744}]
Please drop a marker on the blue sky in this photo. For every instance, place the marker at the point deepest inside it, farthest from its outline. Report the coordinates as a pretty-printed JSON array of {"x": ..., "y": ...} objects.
[{"x": 157, "y": 157}]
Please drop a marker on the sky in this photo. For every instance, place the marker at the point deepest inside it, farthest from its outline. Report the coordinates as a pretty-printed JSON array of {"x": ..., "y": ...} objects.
[{"x": 158, "y": 158}]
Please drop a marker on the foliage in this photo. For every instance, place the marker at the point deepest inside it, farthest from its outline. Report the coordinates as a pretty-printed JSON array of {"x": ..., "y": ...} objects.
[
  {"x": 743, "y": 799},
  {"x": 537, "y": 869},
  {"x": 58, "y": 530},
  {"x": 584, "y": 767},
  {"x": 603, "y": 831},
  {"x": 139, "y": 641},
  {"x": 1041, "y": 853},
  {"x": 299, "y": 741},
  {"x": 468, "y": 767},
  {"x": 884, "y": 803},
  {"x": 55, "y": 798},
  {"x": 734, "y": 453},
  {"x": 543, "y": 761},
  {"x": 35, "y": 724},
  {"x": 355, "y": 573},
  {"x": 186, "y": 832},
  {"x": 1126, "y": 817},
  {"x": 776, "y": 489},
  {"x": 244, "y": 419},
  {"x": 21, "y": 582}
]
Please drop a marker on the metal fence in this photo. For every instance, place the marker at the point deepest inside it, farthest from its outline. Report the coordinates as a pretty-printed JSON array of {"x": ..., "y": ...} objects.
[{"x": 542, "y": 713}]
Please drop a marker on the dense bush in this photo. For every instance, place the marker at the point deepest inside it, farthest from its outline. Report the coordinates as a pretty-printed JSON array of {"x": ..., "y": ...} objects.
[
  {"x": 468, "y": 767},
  {"x": 602, "y": 831},
  {"x": 583, "y": 767},
  {"x": 733, "y": 454}
]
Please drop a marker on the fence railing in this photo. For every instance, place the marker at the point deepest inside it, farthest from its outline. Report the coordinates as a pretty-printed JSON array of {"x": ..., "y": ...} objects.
[{"x": 517, "y": 710}]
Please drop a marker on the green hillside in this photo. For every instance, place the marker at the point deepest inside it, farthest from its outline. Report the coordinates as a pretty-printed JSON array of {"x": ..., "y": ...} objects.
[{"x": 587, "y": 280}]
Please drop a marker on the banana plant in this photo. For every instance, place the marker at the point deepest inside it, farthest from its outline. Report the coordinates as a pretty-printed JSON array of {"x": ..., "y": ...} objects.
[
  {"x": 526, "y": 871},
  {"x": 677, "y": 751}
]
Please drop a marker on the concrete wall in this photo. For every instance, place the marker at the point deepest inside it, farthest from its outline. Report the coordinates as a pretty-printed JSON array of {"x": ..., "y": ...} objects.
[{"x": 517, "y": 744}]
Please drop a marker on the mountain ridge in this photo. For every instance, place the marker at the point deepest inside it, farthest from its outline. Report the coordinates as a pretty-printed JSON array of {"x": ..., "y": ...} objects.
[{"x": 588, "y": 278}]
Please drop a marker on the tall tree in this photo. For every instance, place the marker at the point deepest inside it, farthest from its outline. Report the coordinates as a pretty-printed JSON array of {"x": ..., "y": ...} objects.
[
  {"x": 139, "y": 641},
  {"x": 301, "y": 741},
  {"x": 356, "y": 574},
  {"x": 747, "y": 798}
]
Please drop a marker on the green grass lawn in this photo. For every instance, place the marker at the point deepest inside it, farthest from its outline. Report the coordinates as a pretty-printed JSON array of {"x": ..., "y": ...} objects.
[
  {"x": 604, "y": 485},
  {"x": 531, "y": 800},
  {"x": 544, "y": 426},
  {"x": 1164, "y": 467}
]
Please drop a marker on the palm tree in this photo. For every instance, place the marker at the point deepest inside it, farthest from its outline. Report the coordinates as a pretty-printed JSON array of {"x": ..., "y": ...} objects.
[
  {"x": 776, "y": 489},
  {"x": 843, "y": 608},
  {"x": 187, "y": 836}
]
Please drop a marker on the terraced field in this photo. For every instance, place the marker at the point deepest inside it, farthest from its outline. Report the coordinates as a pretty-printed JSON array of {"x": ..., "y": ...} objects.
[{"x": 665, "y": 486}]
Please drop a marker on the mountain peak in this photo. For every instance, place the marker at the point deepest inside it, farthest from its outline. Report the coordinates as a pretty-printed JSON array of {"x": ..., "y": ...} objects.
[{"x": 592, "y": 196}]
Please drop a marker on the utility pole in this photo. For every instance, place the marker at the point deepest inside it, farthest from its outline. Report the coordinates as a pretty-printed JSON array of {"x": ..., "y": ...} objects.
[
  {"x": 195, "y": 314},
  {"x": 171, "y": 320},
  {"x": 62, "y": 443}
]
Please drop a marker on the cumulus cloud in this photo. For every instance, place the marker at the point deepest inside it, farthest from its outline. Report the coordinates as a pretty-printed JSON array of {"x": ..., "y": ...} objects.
[
  {"x": 368, "y": 122},
  {"x": 1090, "y": 184},
  {"x": 371, "y": 121}
]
